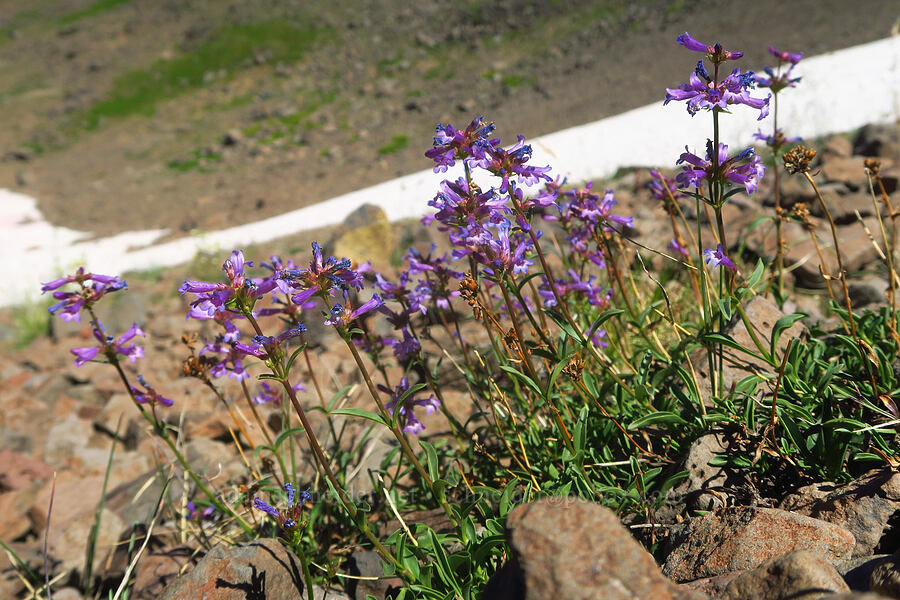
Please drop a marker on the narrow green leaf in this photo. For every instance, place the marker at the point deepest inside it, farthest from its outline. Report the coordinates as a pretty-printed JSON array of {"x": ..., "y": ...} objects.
[
  {"x": 362, "y": 413},
  {"x": 523, "y": 378},
  {"x": 661, "y": 417}
]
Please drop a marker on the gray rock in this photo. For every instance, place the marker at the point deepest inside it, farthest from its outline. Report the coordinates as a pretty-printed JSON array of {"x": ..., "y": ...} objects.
[
  {"x": 878, "y": 140},
  {"x": 739, "y": 538},
  {"x": 799, "y": 575},
  {"x": 260, "y": 569},
  {"x": 863, "y": 507},
  {"x": 885, "y": 577},
  {"x": 570, "y": 548}
]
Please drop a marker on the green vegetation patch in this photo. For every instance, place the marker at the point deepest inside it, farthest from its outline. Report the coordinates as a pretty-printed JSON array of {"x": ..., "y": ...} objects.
[
  {"x": 95, "y": 8},
  {"x": 397, "y": 143},
  {"x": 228, "y": 48}
]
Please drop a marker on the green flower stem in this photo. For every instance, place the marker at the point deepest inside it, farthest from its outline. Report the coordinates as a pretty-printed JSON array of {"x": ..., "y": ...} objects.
[
  {"x": 342, "y": 495},
  {"x": 568, "y": 316},
  {"x": 163, "y": 433},
  {"x": 262, "y": 426},
  {"x": 401, "y": 437}
]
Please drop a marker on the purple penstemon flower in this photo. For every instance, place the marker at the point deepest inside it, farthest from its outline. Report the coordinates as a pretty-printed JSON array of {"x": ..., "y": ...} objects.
[
  {"x": 783, "y": 56},
  {"x": 411, "y": 424},
  {"x": 273, "y": 395},
  {"x": 458, "y": 204},
  {"x": 506, "y": 163},
  {"x": 714, "y": 52},
  {"x": 111, "y": 346},
  {"x": 717, "y": 257},
  {"x": 574, "y": 284},
  {"x": 404, "y": 348},
  {"x": 745, "y": 168},
  {"x": 503, "y": 253},
  {"x": 93, "y": 287},
  {"x": 344, "y": 314},
  {"x": 701, "y": 91},
  {"x": 674, "y": 245},
  {"x": 230, "y": 362},
  {"x": 149, "y": 395},
  {"x": 288, "y": 518},
  {"x": 213, "y": 297},
  {"x": 451, "y": 144},
  {"x": 324, "y": 275}
]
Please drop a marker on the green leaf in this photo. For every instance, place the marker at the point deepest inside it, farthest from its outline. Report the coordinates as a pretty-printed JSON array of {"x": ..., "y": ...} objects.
[
  {"x": 294, "y": 356},
  {"x": 781, "y": 324},
  {"x": 431, "y": 459},
  {"x": 506, "y": 498},
  {"x": 554, "y": 375},
  {"x": 563, "y": 324},
  {"x": 362, "y": 413},
  {"x": 661, "y": 417},
  {"x": 523, "y": 378},
  {"x": 727, "y": 340}
]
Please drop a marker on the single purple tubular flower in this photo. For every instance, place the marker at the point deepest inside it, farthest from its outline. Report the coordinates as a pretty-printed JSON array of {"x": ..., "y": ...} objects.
[
  {"x": 717, "y": 257},
  {"x": 149, "y": 395},
  {"x": 714, "y": 52},
  {"x": 674, "y": 245},
  {"x": 108, "y": 342},
  {"x": 411, "y": 424},
  {"x": 269, "y": 395},
  {"x": 340, "y": 315}
]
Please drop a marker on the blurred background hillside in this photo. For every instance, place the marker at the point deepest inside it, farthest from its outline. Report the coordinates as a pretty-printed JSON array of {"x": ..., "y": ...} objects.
[{"x": 136, "y": 114}]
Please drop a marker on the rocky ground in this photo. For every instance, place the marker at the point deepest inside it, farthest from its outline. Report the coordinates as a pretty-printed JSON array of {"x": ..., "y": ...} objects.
[{"x": 759, "y": 540}]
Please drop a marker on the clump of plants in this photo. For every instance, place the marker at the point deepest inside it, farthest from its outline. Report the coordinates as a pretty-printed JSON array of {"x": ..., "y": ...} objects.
[{"x": 585, "y": 377}]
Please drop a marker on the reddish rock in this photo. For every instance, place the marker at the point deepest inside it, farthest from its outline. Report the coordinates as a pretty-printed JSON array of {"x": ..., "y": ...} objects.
[
  {"x": 260, "y": 569},
  {"x": 155, "y": 571},
  {"x": 17, "y": 471},
  {"x": 573, "y": 549},
  {"x": 740, "y": 538},
  {"x": 845, "y": 169},
  {"x": 791, "y": 576},
  {"x": 862, "y": 507}
]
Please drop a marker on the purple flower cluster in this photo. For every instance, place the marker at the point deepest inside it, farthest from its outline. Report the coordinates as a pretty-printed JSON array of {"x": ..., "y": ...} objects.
[
  {"x": 240, "y": 291},
  {"x": 705, "y": 91},
  {"x": 411, "y": 424},
  {"x": 451, "y": 144},
  {"x": 479, "y": 223},
  {"x": 93, "y": 287},
  {"x": 109, "y": 344},
  {"x": 149, "y": 395},
  {"x": 777, "y": 79},
  {"x": 289, "y": 517},
  {"x": 585, "y": 217},
  {"x": 575, "y": 285},
  {"x": 745, "y": 168}
]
